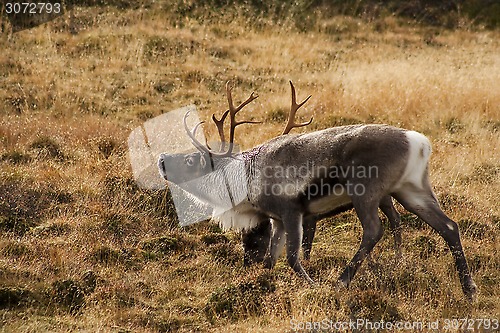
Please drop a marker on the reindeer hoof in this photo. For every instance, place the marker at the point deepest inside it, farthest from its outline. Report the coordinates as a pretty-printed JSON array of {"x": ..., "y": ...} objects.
[
  {"x": 340, "y": 285},
  {"x": 471, "y": 292},
  {"x": 311, "y": 281}
]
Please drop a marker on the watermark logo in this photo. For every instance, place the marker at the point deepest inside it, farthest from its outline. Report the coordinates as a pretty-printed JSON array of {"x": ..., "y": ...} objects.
[
  {"x": 27, "y": 14},
  {"x": 311, "y": 180},
  {"x": 363, "y": 324}
]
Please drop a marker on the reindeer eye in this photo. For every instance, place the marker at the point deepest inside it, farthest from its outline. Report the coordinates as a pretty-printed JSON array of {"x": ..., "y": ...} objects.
[{"x": 189, "y": 161}]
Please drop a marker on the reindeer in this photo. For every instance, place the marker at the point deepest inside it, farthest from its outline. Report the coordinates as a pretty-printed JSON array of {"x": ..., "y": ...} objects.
[{"x": 292, "y": 178}]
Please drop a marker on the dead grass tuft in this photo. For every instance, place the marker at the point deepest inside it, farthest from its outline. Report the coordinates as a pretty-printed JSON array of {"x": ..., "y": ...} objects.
[
  {"x": 236, "y": 302},
  {"x": 15, "y": 157},
  {"x": 374, "y": 306},
  {"x": 24, "y": 205},
  {"x": 68, "y": 294},
  {"x": 46, "y": 147}
]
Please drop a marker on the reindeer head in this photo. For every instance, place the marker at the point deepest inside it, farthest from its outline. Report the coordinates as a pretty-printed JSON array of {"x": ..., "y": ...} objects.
[
  {"x": 178, "y": 168},
  {"x": 256, "y": 243}
]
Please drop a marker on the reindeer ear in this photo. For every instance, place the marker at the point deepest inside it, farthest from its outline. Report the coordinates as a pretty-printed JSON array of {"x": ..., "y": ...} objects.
[{"x": 203, "y": 162}]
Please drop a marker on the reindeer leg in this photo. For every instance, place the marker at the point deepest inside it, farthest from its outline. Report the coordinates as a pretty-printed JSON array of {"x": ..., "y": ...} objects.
[
  {"x": 276, "y": 244},
  {"x": 394, "y": 218},
  {"x": 424, "y": 204},
  {"x": 293, "y": 228},
  {"x": 309, "y": 229},
  {"x": 372, "y": 232}
]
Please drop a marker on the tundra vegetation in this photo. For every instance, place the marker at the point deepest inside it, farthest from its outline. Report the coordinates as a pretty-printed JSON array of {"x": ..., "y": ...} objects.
[{"x": 83, "y": 248}]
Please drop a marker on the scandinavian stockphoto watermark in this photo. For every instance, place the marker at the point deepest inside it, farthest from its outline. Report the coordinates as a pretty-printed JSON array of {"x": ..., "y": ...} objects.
[
  {"x": 204, "y": 186},
  {"x": 311, "y": 180}
]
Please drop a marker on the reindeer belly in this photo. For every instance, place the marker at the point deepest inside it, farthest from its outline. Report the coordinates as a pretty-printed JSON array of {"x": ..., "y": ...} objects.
[
  {"x": 324, "y": 195},
  {"x": 327, "y": 203}
]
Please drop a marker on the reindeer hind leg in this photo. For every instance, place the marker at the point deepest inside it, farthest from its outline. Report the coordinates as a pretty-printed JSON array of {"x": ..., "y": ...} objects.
[
  {"x": 394, "y": 218},
  {"x": 423, "y": 203},
  {"x": 372, "y": 232}
]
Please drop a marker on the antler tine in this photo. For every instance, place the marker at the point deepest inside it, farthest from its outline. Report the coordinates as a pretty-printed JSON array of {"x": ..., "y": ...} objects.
[
  {"x": 192, "y": 134},
  {"x": 220, "y": 127},
  {"x": 220, "y": 124},
  {"x": 232, "y": 114},
  {"x": 293, "y": 109},
  {"x": 234, "y": 110}
]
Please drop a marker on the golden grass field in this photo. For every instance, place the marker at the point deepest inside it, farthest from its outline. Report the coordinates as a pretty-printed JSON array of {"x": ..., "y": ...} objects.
[{"x": 82, "y": 248}]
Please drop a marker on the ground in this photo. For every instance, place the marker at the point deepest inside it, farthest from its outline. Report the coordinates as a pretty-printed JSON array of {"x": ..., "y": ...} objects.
[{"x": 83, "y": 248}]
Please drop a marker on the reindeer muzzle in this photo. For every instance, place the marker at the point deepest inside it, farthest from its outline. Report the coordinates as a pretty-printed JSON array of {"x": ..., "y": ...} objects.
[{"x": 162, "y": 161}]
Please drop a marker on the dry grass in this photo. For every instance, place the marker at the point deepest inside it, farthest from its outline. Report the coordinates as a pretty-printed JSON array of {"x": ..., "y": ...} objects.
[{"x": 82, "y": 248}]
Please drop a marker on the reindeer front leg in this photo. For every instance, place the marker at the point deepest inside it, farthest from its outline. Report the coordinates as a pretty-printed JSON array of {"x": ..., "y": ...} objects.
[
  {"x": 308, "y": 231},
  {"x": 276, "y": 244},
  {"x": 292, "y": 222}
]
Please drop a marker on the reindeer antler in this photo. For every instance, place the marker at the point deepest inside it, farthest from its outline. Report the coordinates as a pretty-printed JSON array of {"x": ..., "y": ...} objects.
[
  {"x": 220, "y": 125},
  {"x": 192, "y": 134},
  {"x": 293, "y": 109},
  {"x": 232, "y": 114}
]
